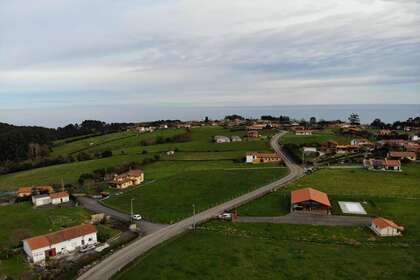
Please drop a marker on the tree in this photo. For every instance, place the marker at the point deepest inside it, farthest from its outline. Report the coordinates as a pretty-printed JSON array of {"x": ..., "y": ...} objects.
[
  {"x": 377, "y": 123},
  {"x": 312, "y": 120},
  {"x": 354, "y": 118}
]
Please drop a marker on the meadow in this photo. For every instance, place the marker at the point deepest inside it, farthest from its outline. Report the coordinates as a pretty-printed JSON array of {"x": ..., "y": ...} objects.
[
  {"x": 221, "y": 250},
  {"x": 272, "y": 251},
  {"x": 317, "y": 137}
]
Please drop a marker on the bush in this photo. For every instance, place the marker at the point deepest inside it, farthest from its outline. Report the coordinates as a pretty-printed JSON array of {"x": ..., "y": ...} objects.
[{"x": 106, "y": 154}]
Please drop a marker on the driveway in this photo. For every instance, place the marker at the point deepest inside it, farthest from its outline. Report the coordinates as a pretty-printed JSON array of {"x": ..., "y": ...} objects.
[
  {"x": 96, "y": 207},
  {"x": 310, "y": 219}
]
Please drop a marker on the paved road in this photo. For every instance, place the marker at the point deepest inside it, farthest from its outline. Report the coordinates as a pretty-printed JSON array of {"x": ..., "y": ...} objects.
[
  {"x": 94, "y": 206},
  {"x": 118, "y": 260},
  {"x": 308, "y": 219}
]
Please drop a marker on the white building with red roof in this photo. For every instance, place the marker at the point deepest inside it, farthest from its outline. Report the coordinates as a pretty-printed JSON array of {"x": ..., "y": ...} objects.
[
  {"x": 382, "y": 164},
  {"x": 385, "y": 227},
  {"x": 256, "y": 157},
  {"x": 60, "y": 242},
  {"x": 309, "y": 199}
]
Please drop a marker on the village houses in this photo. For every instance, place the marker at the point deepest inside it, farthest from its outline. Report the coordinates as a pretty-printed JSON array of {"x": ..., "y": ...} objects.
[
  {"x": 34, "y": 190},
  {"x": 53, "y": 198},
  {"x": 303, "y": 132},
  {"x": 60, "y": 242},
  {"x": 382, "y": 164}
]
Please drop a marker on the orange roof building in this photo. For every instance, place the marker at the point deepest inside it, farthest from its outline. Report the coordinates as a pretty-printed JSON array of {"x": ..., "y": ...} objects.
[
  {"x": 131, "y": 178},
  {"x": 59, "y": 242},
  {"x": 309, "y": 199},
  {"x": 386, "y": 227},
  {"x": 403, "y": 155},
  {"x": 256, "y": 157}
]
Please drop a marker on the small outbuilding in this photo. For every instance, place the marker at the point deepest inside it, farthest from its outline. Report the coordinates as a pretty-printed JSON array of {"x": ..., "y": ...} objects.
[
  {"x": 59, "y": 197},
  {"x": 220, "y": 139},
  {"x": 309, "y": 199},
  {"x": 385, "y": 227},
  {"x": 41, "y": 199}
]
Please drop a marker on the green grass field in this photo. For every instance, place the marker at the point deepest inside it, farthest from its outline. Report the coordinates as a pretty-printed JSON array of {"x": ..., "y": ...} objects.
[
  {"x": 201, "y": 147},
  {"x": 170, "y": 198},
  {"x": 258, "y": 251},
  {"x": 316, "y": 138},
  {"x": 20, "y": 221},
  {"x": 268, "y": 251}
]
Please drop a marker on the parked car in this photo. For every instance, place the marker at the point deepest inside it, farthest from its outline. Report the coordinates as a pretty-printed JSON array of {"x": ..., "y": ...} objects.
[
  {"x": 137, "y": 217},
  {"x": 225, "y": 216}
]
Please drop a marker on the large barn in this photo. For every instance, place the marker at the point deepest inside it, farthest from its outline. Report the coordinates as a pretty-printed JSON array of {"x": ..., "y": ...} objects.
[
  {"x": 311, "y": 200},
  {"x": 40, "y": 247}
]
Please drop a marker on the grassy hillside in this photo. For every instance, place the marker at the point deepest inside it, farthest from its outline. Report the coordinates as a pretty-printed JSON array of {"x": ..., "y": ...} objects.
[
  {"x": 170, "y": 199},
  {"x": 316, "y": 138},
  {"x": 269, "y": 251},
  {"x": 127, "y": 147}
]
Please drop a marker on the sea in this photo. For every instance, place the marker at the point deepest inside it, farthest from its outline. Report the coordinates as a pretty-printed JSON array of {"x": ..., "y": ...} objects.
[{"x": 53, "y": 117}]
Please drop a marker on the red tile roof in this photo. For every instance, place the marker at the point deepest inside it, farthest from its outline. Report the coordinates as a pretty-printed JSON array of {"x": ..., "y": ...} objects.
[
  {"x": 26, "y": 190},
  {"x": 263, "y": 155},
  {"x": 383, "y": 223},
  {"x": 402, "y": 154},
  {"x": 310, "y": 194},
  {"x": 59, "y": 195},
  {"x": 56, "y": 237}
]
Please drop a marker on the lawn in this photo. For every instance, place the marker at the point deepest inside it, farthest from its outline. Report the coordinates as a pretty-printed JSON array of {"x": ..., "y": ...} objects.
[
  {"x": 317, "y": 137},
  {"x": 14, "y": 267},
  {"x": 21, "y": 220},
  {"x": 258, "y": 251},
  {"x": 127, "y": 147},
  {"x": 170, "y": 197}
]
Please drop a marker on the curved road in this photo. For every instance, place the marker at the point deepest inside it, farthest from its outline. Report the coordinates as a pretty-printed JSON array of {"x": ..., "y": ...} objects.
[{"x": 121, "y": 258}]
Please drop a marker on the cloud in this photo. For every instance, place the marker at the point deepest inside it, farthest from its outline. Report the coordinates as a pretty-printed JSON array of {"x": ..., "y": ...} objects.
[{"x": 212, "y": 52}]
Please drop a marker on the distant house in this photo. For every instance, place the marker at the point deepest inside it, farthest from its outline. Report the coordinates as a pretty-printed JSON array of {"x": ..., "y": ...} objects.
[
  {"x": 329, "y": 146},
  {"x": 40, "y": 247},
  {"x": 403, "y": 155},
  {"x": 170, "y": 153},
  {"x": 412, "y": 148},
  {"x": 59, "y": 197},
  {"x": 34, "y": 190},
  {"x": 53, "y": 198},
  {"x": 256, "y": 127},
  {"x": 382, "y": 164},
  {"x": 415, "y": 138},
  {"x": 255, "y": 157},
  {"x": 361, "y": 143},
  {"x": 393, "y": 142},
  {"x": 309, "y": 199},
  {"x": 253, "y": 134},
  {"x": 219, "y": 139},
  {"x": 131, "y": 178},
  {"x": 41, "y": 199},
  {"x": 343, "y": 149},
  {"x": 24, "y": 192},
  {"x": 384, "y": 132},
  {"x": 385, "y": 227},
  {"x": 235, "y": 138},
  {"x": 309, "y": 150},
  {"x": 303, "y": 132}
]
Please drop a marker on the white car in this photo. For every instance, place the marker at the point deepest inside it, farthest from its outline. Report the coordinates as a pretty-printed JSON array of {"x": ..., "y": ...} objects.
[
  {"x": 225, "y": 216},
  {"x": 137, "y": 217}
]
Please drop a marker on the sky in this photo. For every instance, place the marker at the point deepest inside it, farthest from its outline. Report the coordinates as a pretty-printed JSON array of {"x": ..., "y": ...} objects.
[{"x": 66, "y": 60}]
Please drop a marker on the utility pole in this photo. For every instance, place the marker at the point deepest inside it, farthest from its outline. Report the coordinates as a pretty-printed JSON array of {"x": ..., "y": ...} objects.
[
  {"x": 131, "y": 210},
  {"x": 62, "y": 184},
  {"x": 193, "y": 223}
]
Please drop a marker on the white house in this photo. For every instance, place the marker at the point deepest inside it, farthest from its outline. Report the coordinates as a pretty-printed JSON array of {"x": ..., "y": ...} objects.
[
  {"x": 235, "y": 138},
  {"x": 303, "y": 132},
  {"x": 385, "y": 227},
  {"x": 415, "y": 138},
  {"x": 308, "y": 150},
  {"x": 221, "y": 139},
  {"x": 59, "y": 197},
  {"x": 53, "y": 198},
  {"x": 59, "y": 242},
  {"x": 40, "y": 200}
]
